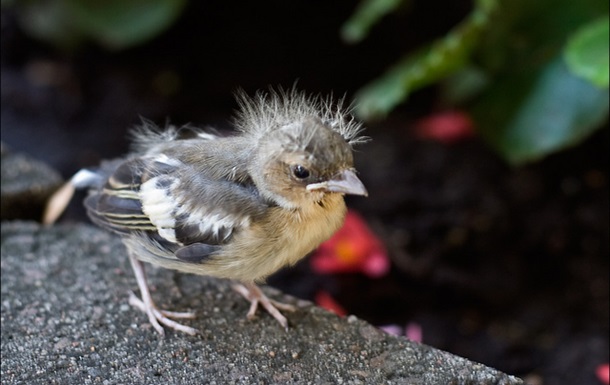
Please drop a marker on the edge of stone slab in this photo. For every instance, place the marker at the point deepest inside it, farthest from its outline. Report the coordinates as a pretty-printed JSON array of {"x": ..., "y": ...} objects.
[{"x": 65, "y": 319}]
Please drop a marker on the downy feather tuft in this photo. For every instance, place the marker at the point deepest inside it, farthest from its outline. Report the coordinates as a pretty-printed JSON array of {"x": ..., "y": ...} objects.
[{"x": 267, "y": 111}]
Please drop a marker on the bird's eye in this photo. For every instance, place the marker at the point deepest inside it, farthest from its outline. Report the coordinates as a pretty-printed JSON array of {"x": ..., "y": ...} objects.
[{"x": 300, "y": 172}]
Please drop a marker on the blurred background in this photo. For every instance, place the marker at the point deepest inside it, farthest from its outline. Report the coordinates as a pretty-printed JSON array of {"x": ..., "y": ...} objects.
[{"x": 486, "y": 231}]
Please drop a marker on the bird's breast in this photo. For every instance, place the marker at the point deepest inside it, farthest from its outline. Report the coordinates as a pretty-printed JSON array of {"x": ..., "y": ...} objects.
[{"x": 282, "y": 237}]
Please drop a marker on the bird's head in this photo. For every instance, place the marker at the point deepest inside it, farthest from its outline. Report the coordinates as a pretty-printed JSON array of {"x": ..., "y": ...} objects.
[{"x": 301, "y": 162}]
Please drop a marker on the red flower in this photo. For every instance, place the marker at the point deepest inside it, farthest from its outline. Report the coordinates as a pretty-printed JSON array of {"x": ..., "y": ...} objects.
[
  {"x": 446, "y": 127},
  {"x": 324, "y": 300},
  {"x": 354, "y": 248}
]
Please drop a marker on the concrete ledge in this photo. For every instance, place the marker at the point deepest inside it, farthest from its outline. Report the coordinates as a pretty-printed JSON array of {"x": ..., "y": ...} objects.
[{"x": 65, "y": 320}]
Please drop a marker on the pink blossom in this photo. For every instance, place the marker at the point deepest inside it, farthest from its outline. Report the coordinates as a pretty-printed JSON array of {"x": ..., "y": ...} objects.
[
  {"x": 392, "y": 329},
  {"x": 446, "y": 127},
  {"x": 603, "y": 373},
  {"x": 412, "y": 331}
]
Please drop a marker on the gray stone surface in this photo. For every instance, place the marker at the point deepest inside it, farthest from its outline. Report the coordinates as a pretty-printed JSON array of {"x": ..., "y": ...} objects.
[
  {"x": 26, "y": 184},
  {"x": 65, "y": 320}
]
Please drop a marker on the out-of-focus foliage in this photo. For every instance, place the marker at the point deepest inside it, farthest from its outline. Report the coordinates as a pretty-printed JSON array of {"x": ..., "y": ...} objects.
[
  {"x": 368, "y": 13},
  {"x": 425, "y": 66},
  {"x": 587, "y": 52},
  {"x": 555, "y": 110},
  {"x": 533, "y": 74},
  {"x": 114, "y": 24}
]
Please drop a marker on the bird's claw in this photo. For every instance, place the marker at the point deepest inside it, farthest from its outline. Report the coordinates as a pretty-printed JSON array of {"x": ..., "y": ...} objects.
[
  {"x": 254, "y": 294},
  {"x": 157, "y": 316}
]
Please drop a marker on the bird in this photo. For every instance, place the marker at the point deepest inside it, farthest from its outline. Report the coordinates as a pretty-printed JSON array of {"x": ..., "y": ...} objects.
[{"x": 238, "y": 206}]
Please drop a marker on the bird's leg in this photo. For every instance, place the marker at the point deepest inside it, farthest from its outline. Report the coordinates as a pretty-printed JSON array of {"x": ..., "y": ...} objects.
[
  {"x": 147, "y": 305},
  {"x": 254, "y": 294}
]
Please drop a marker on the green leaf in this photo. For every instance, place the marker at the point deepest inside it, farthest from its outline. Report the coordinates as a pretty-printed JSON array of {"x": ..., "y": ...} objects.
[
  {"x": 587, "y": 53},
  {"x": 426, "y": 66},
  {"x": 464, "y": 85},
  {"x": 115, "y": 24},
  {"x": 548, "y": 112},
  {"x": 118, "y": 24},
  {"x": 366, "y": 15}
]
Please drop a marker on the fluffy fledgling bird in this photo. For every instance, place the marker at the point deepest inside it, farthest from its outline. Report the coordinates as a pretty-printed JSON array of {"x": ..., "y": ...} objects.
[{"x": 238, "y": 207}]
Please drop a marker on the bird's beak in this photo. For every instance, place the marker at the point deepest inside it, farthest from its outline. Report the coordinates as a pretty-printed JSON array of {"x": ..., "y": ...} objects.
[{"x": 346, "y": 182}]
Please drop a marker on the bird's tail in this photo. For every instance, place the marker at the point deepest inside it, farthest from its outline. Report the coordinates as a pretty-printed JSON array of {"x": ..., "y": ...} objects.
[{"x": 61, "y": 198}]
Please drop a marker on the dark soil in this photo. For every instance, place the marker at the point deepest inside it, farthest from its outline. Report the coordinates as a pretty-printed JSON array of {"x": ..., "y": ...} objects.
[{"x": 505, "y": 266}]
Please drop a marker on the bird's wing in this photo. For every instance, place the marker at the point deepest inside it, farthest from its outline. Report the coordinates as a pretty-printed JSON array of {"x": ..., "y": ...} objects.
[
  {"x": 116, "y": 205},
  {"x": 167, "y": 199}
]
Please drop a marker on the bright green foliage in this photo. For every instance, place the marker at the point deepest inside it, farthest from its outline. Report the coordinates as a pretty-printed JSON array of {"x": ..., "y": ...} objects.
[
  {"x": 587, "y": 52},
  {"x": 505, "y": 64},
  {"x": 115, "y": 24}
]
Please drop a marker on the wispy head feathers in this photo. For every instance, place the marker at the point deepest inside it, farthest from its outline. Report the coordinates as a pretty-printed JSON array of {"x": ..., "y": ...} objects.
[
  {"x": 258, "y": 115},
  {"x": 147, "y": 135},
  {"x": 267, "y": 111}
]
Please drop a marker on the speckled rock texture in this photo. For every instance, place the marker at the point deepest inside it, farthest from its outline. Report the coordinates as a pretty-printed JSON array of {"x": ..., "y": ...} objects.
[{"x": 65, "y": 320}]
